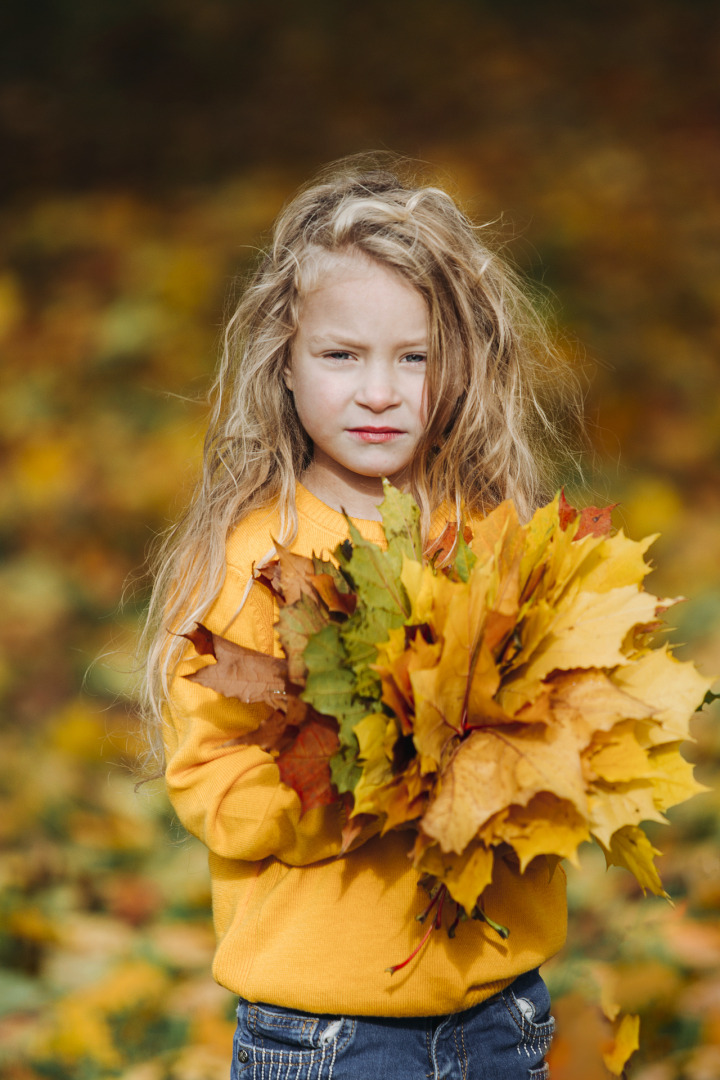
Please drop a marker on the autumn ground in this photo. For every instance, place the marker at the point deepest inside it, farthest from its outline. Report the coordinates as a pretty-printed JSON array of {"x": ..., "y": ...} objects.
[{"x": 111, "y": 299}]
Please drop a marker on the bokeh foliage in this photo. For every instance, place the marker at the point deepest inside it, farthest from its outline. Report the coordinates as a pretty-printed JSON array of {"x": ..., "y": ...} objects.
[{"x": 146, "y": 149}]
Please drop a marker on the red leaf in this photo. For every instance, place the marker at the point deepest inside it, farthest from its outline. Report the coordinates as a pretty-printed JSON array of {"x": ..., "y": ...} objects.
[
  {"x": 443, "y": 544},
  {"x": 568, "y": 513},
  {"x": 305, "y": 767},
  {"x": 595, "y": 521}
]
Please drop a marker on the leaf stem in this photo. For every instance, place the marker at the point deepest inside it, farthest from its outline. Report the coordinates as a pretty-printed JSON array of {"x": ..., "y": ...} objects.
[{"x": 439, "y": 899}]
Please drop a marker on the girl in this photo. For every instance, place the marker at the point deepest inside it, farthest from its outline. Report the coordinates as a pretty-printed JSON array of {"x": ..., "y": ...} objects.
[{"x": 378, "y": 337}]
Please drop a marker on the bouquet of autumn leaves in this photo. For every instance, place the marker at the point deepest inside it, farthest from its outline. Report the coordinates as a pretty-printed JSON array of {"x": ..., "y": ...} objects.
[{"x": 499, "y": 694}]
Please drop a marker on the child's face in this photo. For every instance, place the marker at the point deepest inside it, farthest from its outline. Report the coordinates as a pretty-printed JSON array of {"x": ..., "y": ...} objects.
[{"x": 357, "y": 374}]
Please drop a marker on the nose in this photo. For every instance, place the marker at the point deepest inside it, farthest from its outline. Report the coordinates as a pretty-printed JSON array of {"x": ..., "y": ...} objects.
[{"x": 378, "y": 389}]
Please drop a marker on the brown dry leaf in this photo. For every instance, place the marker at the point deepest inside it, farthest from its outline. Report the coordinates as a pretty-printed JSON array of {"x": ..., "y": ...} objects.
[{"x": 243, "y": 673}]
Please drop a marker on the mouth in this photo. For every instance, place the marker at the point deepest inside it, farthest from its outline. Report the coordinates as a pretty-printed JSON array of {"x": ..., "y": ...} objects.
[{"x": 376, "y": 434}]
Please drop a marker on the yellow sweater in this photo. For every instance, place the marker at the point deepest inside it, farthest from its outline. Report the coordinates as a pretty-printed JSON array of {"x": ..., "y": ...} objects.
[{"x": 295, "y": 925}]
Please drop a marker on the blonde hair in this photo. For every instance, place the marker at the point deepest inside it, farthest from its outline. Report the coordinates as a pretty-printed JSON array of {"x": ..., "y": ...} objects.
[{"x": 495, "y": 383}]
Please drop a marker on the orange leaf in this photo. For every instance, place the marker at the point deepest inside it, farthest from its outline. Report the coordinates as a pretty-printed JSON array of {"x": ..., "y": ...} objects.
[{"x": 595, "y": 521}]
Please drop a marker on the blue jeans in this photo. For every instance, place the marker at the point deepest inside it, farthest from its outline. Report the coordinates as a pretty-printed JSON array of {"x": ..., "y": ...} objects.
[{"x": 504, "y": 1038}]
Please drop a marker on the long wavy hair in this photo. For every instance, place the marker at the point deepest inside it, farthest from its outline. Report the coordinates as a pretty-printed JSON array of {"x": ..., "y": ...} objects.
[{"x": 499, "y": 391}]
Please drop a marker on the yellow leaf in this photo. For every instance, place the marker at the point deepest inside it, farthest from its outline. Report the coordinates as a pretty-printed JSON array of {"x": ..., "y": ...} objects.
[
  {"x": 616, "y": 755},
  {"x": 585, "y": 700},
  {"x": 673, "y": 688},
  {"x": 420, "y": 585},
  {"x": 372, "y": 733},
  {"x": 673, "y": 781},
  {"x": 546, "y": 826},
  {"x": 617, "y": 561},
  {"x": 432, "y": 731},
  {"x": 625, "y": 1042},
  {"x": 492, "y": 769},
  {"x": 499, "y": 529},
  {"x": 469, "y": 874},
  {"x": 588, "y": 632},
  {"x": 613, "y": 806},
  {"x": 630, "y": 847}
]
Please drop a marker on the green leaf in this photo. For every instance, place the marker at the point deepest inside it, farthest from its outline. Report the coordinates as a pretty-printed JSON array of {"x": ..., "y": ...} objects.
[
  {"x": 401, "y": 522},
  {"x": 329, "y": 684},
  {"x": 344, "y": 770},
  {"x": 464, "y": 559},
  {"x": 297, "y": 624}
]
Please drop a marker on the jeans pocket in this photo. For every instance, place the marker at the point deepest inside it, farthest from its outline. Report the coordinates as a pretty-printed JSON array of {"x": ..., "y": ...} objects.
[
  {"x": 528, "y": 1002},
  {"x": 272, "y": 1042}
]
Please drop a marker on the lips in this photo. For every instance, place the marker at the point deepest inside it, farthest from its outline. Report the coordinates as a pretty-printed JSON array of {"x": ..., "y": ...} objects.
[{"x": 376, "y": 435}]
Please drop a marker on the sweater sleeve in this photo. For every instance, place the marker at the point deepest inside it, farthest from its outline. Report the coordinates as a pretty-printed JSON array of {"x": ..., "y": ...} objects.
[{"x": 229, "y": 796}]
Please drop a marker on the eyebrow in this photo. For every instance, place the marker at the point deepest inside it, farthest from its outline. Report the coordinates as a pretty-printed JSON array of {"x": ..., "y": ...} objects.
[{"x": 340, "y": 341}]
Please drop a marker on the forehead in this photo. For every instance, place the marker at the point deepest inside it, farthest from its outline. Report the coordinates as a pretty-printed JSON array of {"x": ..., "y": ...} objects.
[{"x": 358, "y": 294}]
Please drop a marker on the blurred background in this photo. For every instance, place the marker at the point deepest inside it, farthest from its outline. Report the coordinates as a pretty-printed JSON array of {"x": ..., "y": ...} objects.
[{"x": 146, "y": 147}]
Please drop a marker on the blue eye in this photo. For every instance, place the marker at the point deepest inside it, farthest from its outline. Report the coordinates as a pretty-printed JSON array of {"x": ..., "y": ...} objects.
[
  {"x": 415, "y": 358},
  {"x": 339, "y": 355}
]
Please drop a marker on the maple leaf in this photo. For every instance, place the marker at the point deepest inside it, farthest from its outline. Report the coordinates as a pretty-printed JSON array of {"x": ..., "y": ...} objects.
[
  {"x": 547, "y": 825},
  {"x": 493, "y": 769},
  {"x": 202, "y": 639},
  {"x": 466, "y": 876},
  {"x": 616, "y": 755},
  {"x": 586, "y": 631},
  {"x": 335, "y": 600},
  {"x": 241, "y": 673},
  {"x": 591, "y": 521},
  {"x": 629, "y": 847},
  {"x": 297, "y": 624},
  {"x": 290, "y": 575},
  {"x": 672, "y": 776},
  {"x": 452, "y": 540},
  {"x": 566, "y": 513},
  {"x": 273, "y": 734},
  {"x": 673, "y": 688},
  {"x": 595, "y": 521},
  {"x": 305, "y": 765},
  {"x": 613, "y": 806},
  {"x": 586, "y": 701},
  {"x": 625, "y": 1042}
]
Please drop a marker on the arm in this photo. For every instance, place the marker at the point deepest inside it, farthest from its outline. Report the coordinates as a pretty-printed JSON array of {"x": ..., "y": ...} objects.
[{"x": 230, "y": 796}]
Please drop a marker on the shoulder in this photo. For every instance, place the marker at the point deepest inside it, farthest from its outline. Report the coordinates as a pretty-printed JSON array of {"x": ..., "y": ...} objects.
[{"x": 252, "y": 540}]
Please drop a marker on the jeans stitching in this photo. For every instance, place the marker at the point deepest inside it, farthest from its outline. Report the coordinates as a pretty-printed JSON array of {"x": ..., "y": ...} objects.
[
  {"x": 462, "y": 1053},
  {"x": 537, "y": 1037}
]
